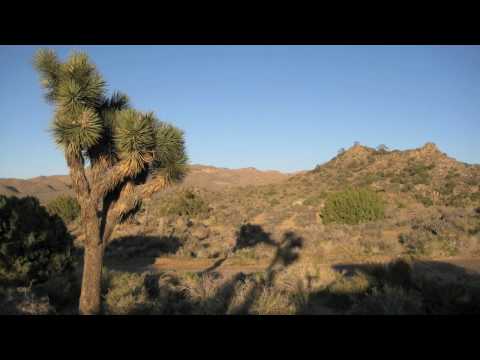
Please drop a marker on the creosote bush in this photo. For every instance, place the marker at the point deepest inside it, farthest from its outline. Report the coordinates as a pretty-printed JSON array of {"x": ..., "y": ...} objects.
[
  {"x": 34, "y": 245},
  {"x": 66, "y": 207},
  {"x": 353, "y": 206},
  {"x": 186, "y": 203}
]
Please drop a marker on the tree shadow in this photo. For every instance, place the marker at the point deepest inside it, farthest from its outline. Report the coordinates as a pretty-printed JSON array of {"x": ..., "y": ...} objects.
[
  {"x": 221, "y": 302},
  {"x": 137, "y": 253},
  {"x": 251, "y": 235},
  {"x": 399, "y": 287},
  {"x": 285, "y": 255},
  {"x": 248, "y": 236}
]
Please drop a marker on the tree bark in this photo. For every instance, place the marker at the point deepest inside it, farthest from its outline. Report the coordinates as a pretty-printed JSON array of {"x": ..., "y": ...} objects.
[{"x": 90, "y": 297}]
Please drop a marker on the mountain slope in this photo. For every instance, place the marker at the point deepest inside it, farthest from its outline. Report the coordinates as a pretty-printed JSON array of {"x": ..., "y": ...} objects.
[{"x": 208, "y": 177}]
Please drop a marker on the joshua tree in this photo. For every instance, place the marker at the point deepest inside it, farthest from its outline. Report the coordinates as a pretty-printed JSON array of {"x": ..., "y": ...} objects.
[{"x": 111, "y": 151}]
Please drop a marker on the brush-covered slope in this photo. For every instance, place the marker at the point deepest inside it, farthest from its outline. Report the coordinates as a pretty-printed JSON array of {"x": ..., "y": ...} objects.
[
  {"x": 426, "y": 194},
  {"x": 425, "y": 174},
  {"x": 419, "y": 178}
]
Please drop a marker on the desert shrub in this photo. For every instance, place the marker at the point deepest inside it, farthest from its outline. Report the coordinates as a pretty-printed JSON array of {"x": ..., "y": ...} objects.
[
  {"x": 425, "y": 200},
  {"x": 472, "y": 181},
  {"x": 63, "y": 291},
  {"x": 375, "y": 245},
  {"x": 186, "y": 203},
  {"x": 475, "y": 197},
  {"x": 415, "y": 245},
  {"x": 353, "y": 206},
  {"x": 127, "y": 294},
  {"x": 458, "y": 200},
  {"x": 34, "y": 245},
  {"x": 371, "y": 178},
  {"x": 202, "y": 292},
  {"x": 346, "y": 290},
  {"x": 453, "y": 296},
  {"x": 447, "y": 189},
  {"x": 419, "y": 173},
  {"x": 66, "y": 207},
  {"x": 389, "y": 300},
  {"x": 271, "y": 301},
  {"x": 274, "y": 202},
  {"x": 315, "y": 200},
  {"x": 431, "y": 238},
  {"x": 23, "y": 301}
]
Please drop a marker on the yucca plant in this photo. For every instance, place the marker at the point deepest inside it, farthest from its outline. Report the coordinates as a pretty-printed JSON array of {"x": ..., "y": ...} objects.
[{"x": 116, "y": 155}]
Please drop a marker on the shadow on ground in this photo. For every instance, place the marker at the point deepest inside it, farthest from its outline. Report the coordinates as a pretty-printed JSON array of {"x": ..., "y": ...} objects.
[
  {"x": 221, "y": 301},
  {"x": 404, "y": 286},
  {"x": 136, "y": 253},
  {"x": 399, "y": 287}
]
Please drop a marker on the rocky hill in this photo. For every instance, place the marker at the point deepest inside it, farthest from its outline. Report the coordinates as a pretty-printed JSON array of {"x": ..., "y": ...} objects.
[{"x": 426, "y": 174}]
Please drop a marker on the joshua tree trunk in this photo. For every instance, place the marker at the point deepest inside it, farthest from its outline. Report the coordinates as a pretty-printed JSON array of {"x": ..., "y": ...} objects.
[{"x": 90, "y": 296}]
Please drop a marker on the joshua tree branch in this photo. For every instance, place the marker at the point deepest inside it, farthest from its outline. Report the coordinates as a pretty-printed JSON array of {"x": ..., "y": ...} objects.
[
  {"x": 148, "y": 189},
  {"x": 79, "y": 179},
  {"x": 129, "y": 197},
  {"x": 125, "y": 202},
  {"x": 109, "y": 178}
]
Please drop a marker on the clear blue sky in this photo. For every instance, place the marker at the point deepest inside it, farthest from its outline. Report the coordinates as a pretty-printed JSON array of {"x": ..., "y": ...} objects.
[{"x": 271, "y": 107}]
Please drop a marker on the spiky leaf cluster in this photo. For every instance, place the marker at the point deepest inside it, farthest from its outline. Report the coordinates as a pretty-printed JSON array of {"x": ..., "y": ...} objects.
[
  {"x": 170, "y": 154},
  {"x": 87, "y": 122},
  {"x": 134, "y": 138}
]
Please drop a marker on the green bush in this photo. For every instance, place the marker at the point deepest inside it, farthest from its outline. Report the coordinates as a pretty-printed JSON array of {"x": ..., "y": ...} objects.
[
  {"x": 419, "y": 173},
  {"x": 34, "y": 245},
  {"x": 353, "y": 206},
  {"x": 66, "y": 207},
  {"x": 186, "y": 203}
]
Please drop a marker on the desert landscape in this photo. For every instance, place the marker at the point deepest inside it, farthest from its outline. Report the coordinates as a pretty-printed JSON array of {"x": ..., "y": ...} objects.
[
  {"x": 248, "y": 241},
  {"x": 135, "y": 227}
]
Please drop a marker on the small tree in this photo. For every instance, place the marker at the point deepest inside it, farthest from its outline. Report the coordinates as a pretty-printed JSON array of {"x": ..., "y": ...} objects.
[
  {"x": 122, "y": 147},
  {"x": 34, "y": 245},
  {"x": 64, "y": 206}
]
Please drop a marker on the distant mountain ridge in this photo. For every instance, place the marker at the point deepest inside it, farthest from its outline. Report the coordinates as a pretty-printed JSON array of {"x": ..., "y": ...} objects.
[
  {"x": 209, "y": 177},
  {"x": 424, "y": 172}
]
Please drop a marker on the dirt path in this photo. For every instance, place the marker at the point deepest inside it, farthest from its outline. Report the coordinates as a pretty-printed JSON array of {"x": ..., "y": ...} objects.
[
  {"x": 231, "y": 266},
  {"x": 205, "y": 265}
]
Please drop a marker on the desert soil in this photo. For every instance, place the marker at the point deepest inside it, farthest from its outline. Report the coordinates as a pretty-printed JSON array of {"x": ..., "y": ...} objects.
[{"x": 227, "y": 268}]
